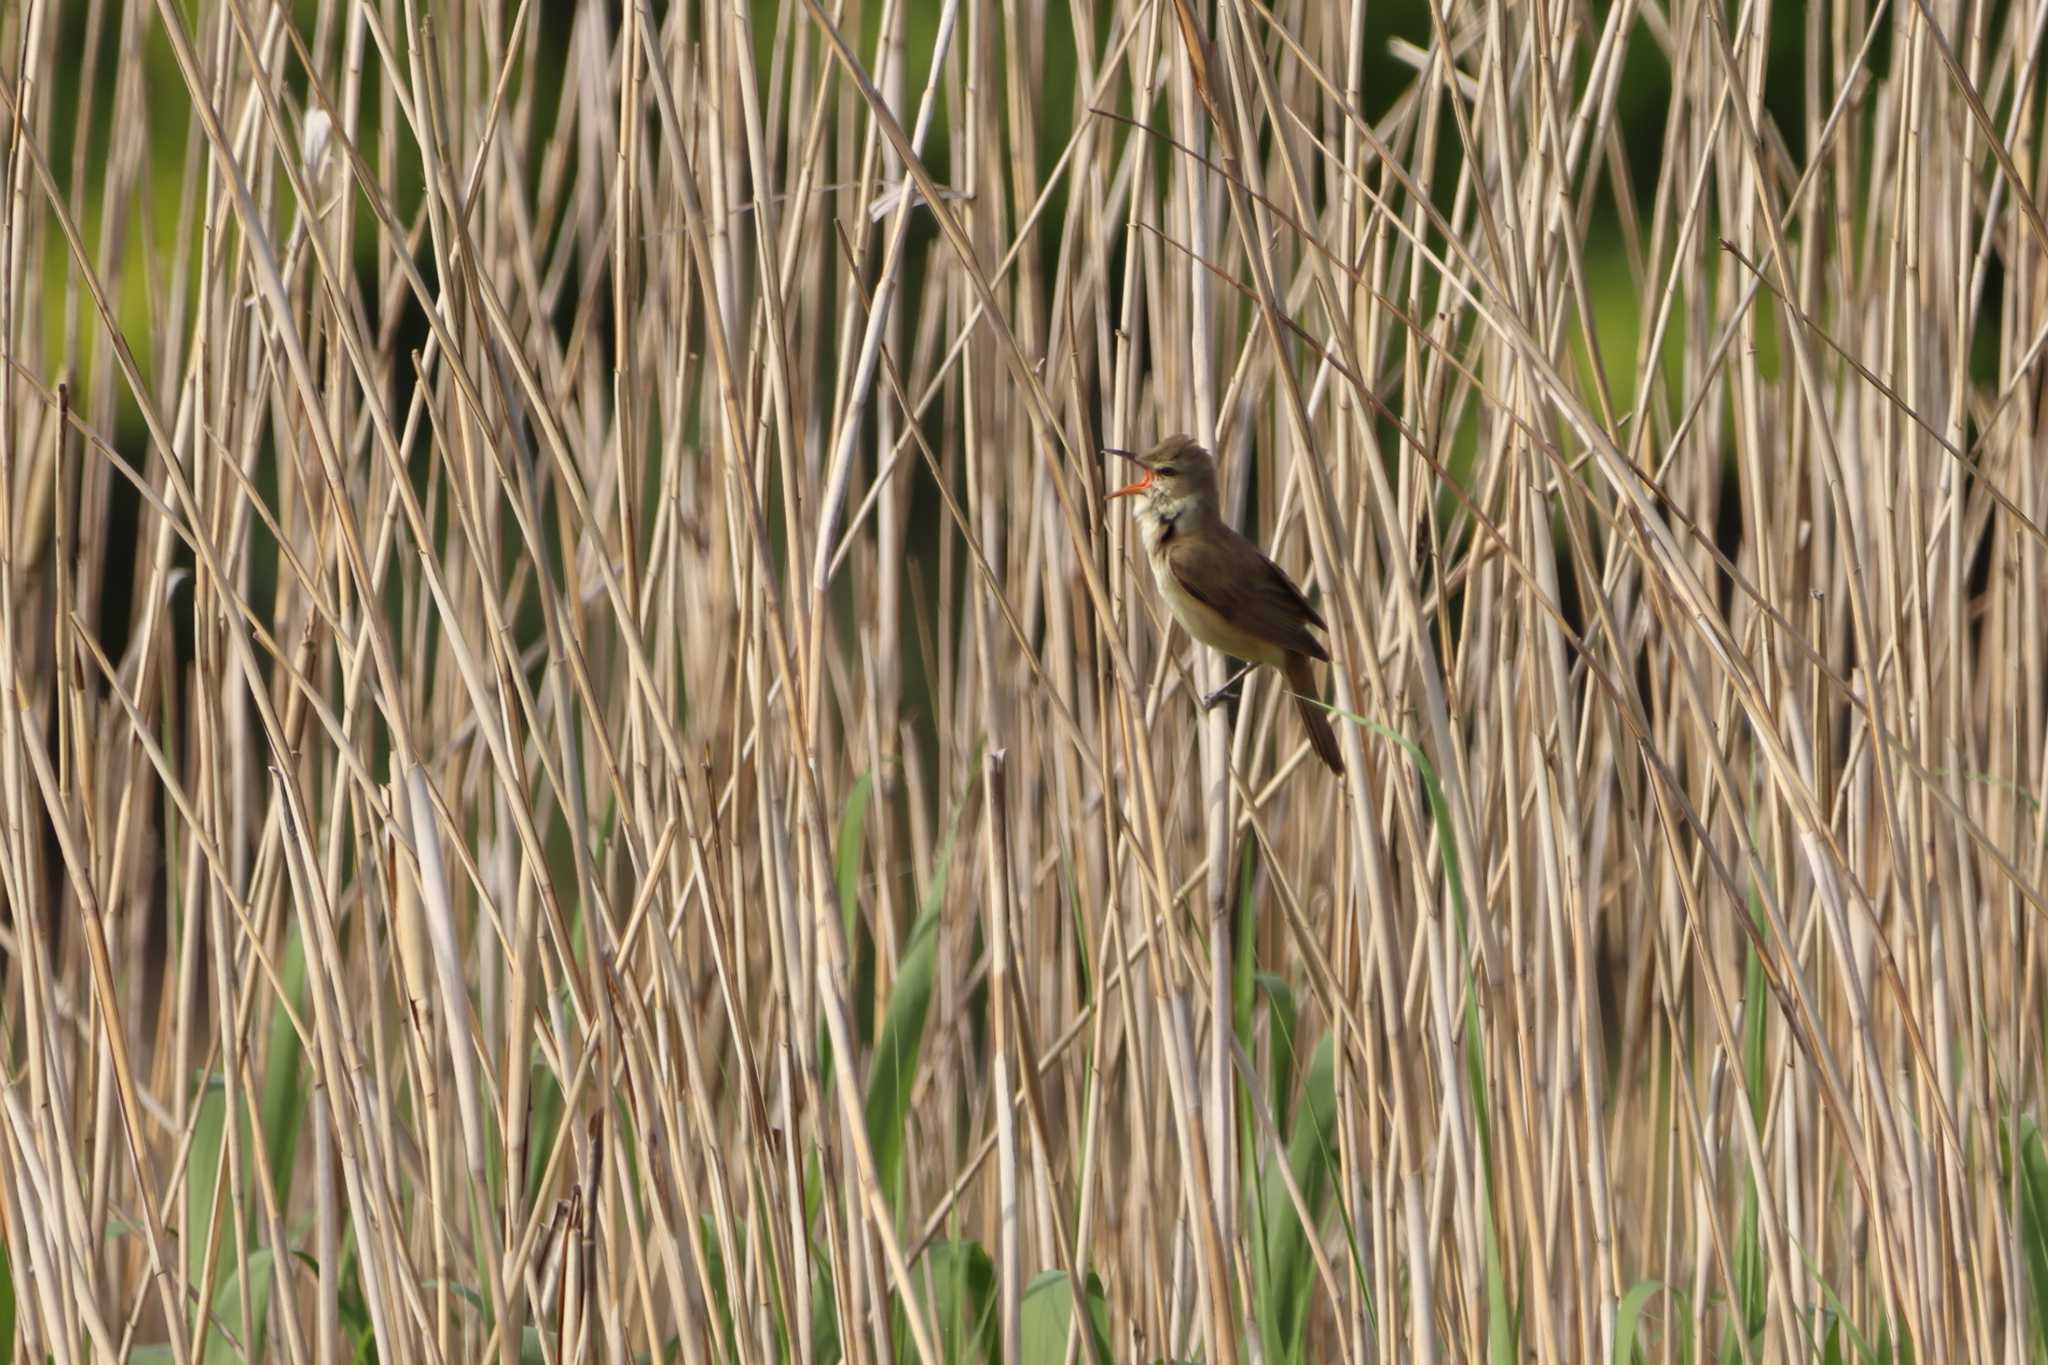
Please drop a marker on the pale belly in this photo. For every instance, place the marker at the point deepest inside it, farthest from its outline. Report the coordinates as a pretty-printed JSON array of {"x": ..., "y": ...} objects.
[{"x": 1211, "y": 629}]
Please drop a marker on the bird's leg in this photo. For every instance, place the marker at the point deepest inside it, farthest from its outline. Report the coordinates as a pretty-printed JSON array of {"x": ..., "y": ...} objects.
[{"x": 1209, "y": 699}]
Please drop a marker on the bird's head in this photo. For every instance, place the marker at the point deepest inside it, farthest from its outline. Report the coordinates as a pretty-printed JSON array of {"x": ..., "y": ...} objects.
[{"x": 1174, "y": 475}]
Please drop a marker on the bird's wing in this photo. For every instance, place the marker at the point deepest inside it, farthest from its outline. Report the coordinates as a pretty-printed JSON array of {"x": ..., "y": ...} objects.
[{"x": 1246, "y": 589}]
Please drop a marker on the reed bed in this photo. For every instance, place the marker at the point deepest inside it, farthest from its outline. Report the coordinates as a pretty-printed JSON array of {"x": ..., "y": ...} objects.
[{"x": 590, "y": 777}]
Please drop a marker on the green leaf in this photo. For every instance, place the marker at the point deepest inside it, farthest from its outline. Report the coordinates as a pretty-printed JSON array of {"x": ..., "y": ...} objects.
[
  {"x": 1838, "y": 1318},
  {"x": 6, "y": 1307},
  {"x": 1831, "y": 1344},
  {"x": 1283, "y": 1267},
  {"x": 205, "y": 1169},
  {"x": 2027, "y": 1167},
  {"x": 253, "y": 1279},
  {"x": 847, "y": 847},
  {"x": 544, "y": 1106},
  {"x": 1894, "y": 1353},
  {"x": 353, "y": 1306},
  {"x": 1046, "y": 1312},
  {"x": 891, "y": 1082},
  {"x": 825, "y": 1348},
  {"x": 962, "y": 1280},
  {"x": 1286, "y": 1014},
  {"x": 853, "y": 822},
  {"x": 284, "y": 1104},
  {"x": 1628, "y": 1318},
  {"x": 714, "y": 1271},
  {"x": 896, "y": 1053}
]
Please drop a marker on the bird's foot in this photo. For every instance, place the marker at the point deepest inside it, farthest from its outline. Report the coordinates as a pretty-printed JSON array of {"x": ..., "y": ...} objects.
[{"x": 1209, "y": 699}]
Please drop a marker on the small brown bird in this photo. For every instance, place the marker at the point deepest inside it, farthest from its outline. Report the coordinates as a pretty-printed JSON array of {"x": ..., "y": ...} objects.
[{"x": 1227, "y": 594}]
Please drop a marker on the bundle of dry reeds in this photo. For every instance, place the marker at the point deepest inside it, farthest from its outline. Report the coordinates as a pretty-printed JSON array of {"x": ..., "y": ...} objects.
[{"x": 589, "y": 776}]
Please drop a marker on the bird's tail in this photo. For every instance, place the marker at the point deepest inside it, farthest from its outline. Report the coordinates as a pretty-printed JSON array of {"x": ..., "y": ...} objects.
[{"x": 1301, "y": 680}]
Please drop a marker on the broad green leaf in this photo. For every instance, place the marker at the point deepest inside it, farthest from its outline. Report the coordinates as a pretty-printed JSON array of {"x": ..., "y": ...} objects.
[
  {"x": 894, "y": 1072},
  {"x": 1831, "y": 1344},
  {"x": 1286, "y": 1014},
  {"x": 825, "y": 1348},
  {"x": 1283, "y": 1267},
  {"x": 2027, "y": 1166},
  {"x": 853, "y": 822},
  {"x": 847, "y": 847},
  {"x": 544, "y": 1120},
  {"x": 1045, "y": 1313},
  {"x": 284, "y": 1102},
  {"x": 253, "y": 1279},
  {"x": 206, "y": 1167},
  {"x": 962, "y": 1295},
  {"x": 896, "y": 1053},
  {"x": 1628, "y": 1319}
]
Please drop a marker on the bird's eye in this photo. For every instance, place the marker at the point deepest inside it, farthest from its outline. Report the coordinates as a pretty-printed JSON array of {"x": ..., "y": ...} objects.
[{"x": 1166, "y": 471}]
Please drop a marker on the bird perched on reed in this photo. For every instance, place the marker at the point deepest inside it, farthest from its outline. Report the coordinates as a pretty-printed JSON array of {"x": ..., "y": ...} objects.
[{"x": 1228, "y": 594}]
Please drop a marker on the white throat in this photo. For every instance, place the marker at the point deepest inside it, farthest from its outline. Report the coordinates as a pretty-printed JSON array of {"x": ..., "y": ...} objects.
[{"x": 1165, "y": 514}]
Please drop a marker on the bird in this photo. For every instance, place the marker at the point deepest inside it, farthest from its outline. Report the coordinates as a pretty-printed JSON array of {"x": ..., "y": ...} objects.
[{"x": 1227, "y": 593}]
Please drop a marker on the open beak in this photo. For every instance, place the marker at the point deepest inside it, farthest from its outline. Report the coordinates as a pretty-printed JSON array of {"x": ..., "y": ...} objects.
[{"x": 1140, "y": 486}]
